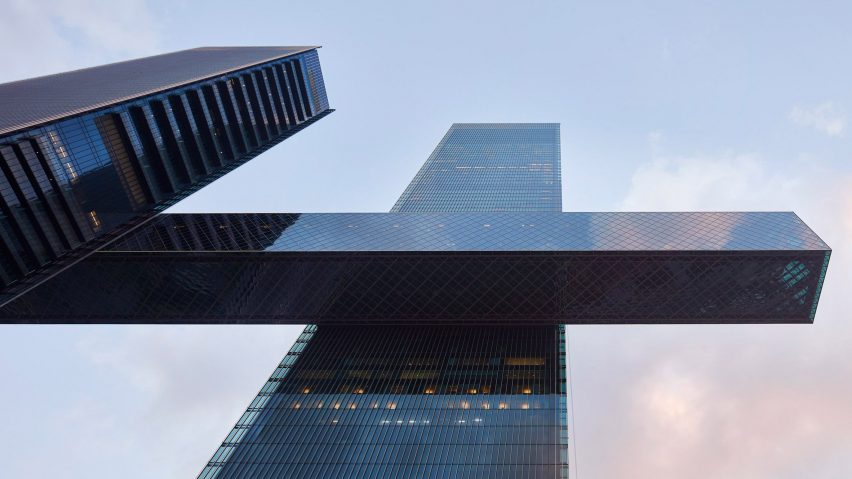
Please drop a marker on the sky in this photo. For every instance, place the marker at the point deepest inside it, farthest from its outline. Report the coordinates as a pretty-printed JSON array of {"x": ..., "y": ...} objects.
[{"x": 663, "y": 105}]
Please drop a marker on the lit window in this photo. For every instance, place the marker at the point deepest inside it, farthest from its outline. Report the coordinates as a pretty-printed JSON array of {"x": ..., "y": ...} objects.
[
  {"x": 71, "y": 171},
  {"x": 94, "y": 220},
  {"x": 525, "y": 361}
]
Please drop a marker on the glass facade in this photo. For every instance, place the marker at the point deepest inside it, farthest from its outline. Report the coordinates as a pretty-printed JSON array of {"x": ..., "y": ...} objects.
[
  {"x": 433, "y": 232},
  {"x": 489, "y": 167},
  {"x": 444, "y": 267},
  {"x": 126, "y": 140},
  {"x": 406, "y": 401},
  {"x": 436, "y": 343},
  {"x": 415, "y": 400}
]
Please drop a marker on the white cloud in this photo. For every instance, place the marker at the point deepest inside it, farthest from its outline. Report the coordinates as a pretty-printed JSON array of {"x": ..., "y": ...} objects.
[
  {"x": 825, "y": 117},
  {"x": 716, "y": 401},
  {"x": 127, "y": 27},
  {"x": 58, "y": 35},
  {"x": 725, "y": 182},
  {"x": 180, "y": 390}
]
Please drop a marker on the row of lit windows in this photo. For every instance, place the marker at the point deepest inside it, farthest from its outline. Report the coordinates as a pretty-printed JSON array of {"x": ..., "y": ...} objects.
[
  {"x": 392, "y": 404},
  {"x": 363, "y": 471}
]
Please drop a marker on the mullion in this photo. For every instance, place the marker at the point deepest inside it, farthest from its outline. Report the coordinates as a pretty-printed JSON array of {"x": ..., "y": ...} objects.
[
  {"x": 61, "y": 193},
  {"x": 175, "y": 158},
  {"x": 222, "y": 132},
  {"x": 162, "y": 173},
  {"x": 27, "y": 207},
  {"x": 197, "y": 159},
  {"x": 236, "y": 93},
  {"x": 205, "y": 126},
  {"x": 294, "y": 88},
  {"x": 285, "y": 93},
  {"x": 58, "y": 232},
  {"x": 260, "y": 84},
  {"x": 238, "y": 134},
  {"x": 260, "y": 120},
  {"x": 306, "y": 101},
  {"x": 277, "y": 100}
]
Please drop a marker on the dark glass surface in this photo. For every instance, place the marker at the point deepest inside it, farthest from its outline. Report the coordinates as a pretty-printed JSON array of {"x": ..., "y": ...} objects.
[
  {"x": 437, "y": 348},
  {"x": 34, "y": 101},
  {"x": 532, "y": 231},
  {"x": 79, "y": 178},
  {"x": 454, "y": 287},
  {"x": 489, "y": 167},
  {"x": 406, "y": 401}
]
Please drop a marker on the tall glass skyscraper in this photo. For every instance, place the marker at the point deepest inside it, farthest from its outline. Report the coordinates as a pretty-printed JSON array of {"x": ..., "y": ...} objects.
[
  {"x": 424, "y": 401},
  {"x": 435, "y": 345},
  {"x": 88, "y": 154},
  {"x": 407, "y": 401},
  {"x": 489, "y": 167}
]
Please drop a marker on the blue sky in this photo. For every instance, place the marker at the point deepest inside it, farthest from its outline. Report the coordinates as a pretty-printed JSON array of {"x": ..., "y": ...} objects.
[{"x": 663, "y": 106}]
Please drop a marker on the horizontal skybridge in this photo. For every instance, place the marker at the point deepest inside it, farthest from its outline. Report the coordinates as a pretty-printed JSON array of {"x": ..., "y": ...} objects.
[{"x": 403, "y": 268}]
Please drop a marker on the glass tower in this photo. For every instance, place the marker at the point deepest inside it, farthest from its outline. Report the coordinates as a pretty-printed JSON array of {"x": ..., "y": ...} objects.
[
  {"x": 88, "y": 154},
  {"x": 436, "y": 341},
  {"x": 489, "y": 167},
  {"x": 421, "y": 400}
]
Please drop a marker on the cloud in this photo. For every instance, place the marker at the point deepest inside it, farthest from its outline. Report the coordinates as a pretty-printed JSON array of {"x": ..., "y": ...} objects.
[
  {"x": 717, "y": 401},
  {"x": 724, "y": 182},
  {"x": 58, "y": 35},
  {"x": 825, "y": 117},
  {"x": 128, "y": 27},
  {"x": 176, "y": 392}
]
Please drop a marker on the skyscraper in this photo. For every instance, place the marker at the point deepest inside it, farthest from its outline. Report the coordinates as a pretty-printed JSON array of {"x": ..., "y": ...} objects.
[
  {"x": 420, "y": 400},
  {"x": 87, "y": 154},
  {"x": 489, "y": 167},
  {"x": 436, "y": 341},
  {"x": 467, "y": 398},
  {"x": 534, "y": 267}
]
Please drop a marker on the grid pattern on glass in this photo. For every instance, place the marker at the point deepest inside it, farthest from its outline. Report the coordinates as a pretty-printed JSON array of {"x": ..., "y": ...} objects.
[
  {"x": 489, "y": 167},
  {"x": 704, "y": 231},
  {"x": 29, "y": 102},
  {"x": 70, "y": 182},
  {"x": 450, "y": 287},
  {"x": 405, "y": 401}
]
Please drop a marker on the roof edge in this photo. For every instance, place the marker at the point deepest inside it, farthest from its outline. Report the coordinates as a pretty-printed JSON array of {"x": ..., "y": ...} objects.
[{"x": 97, "y": 106}]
